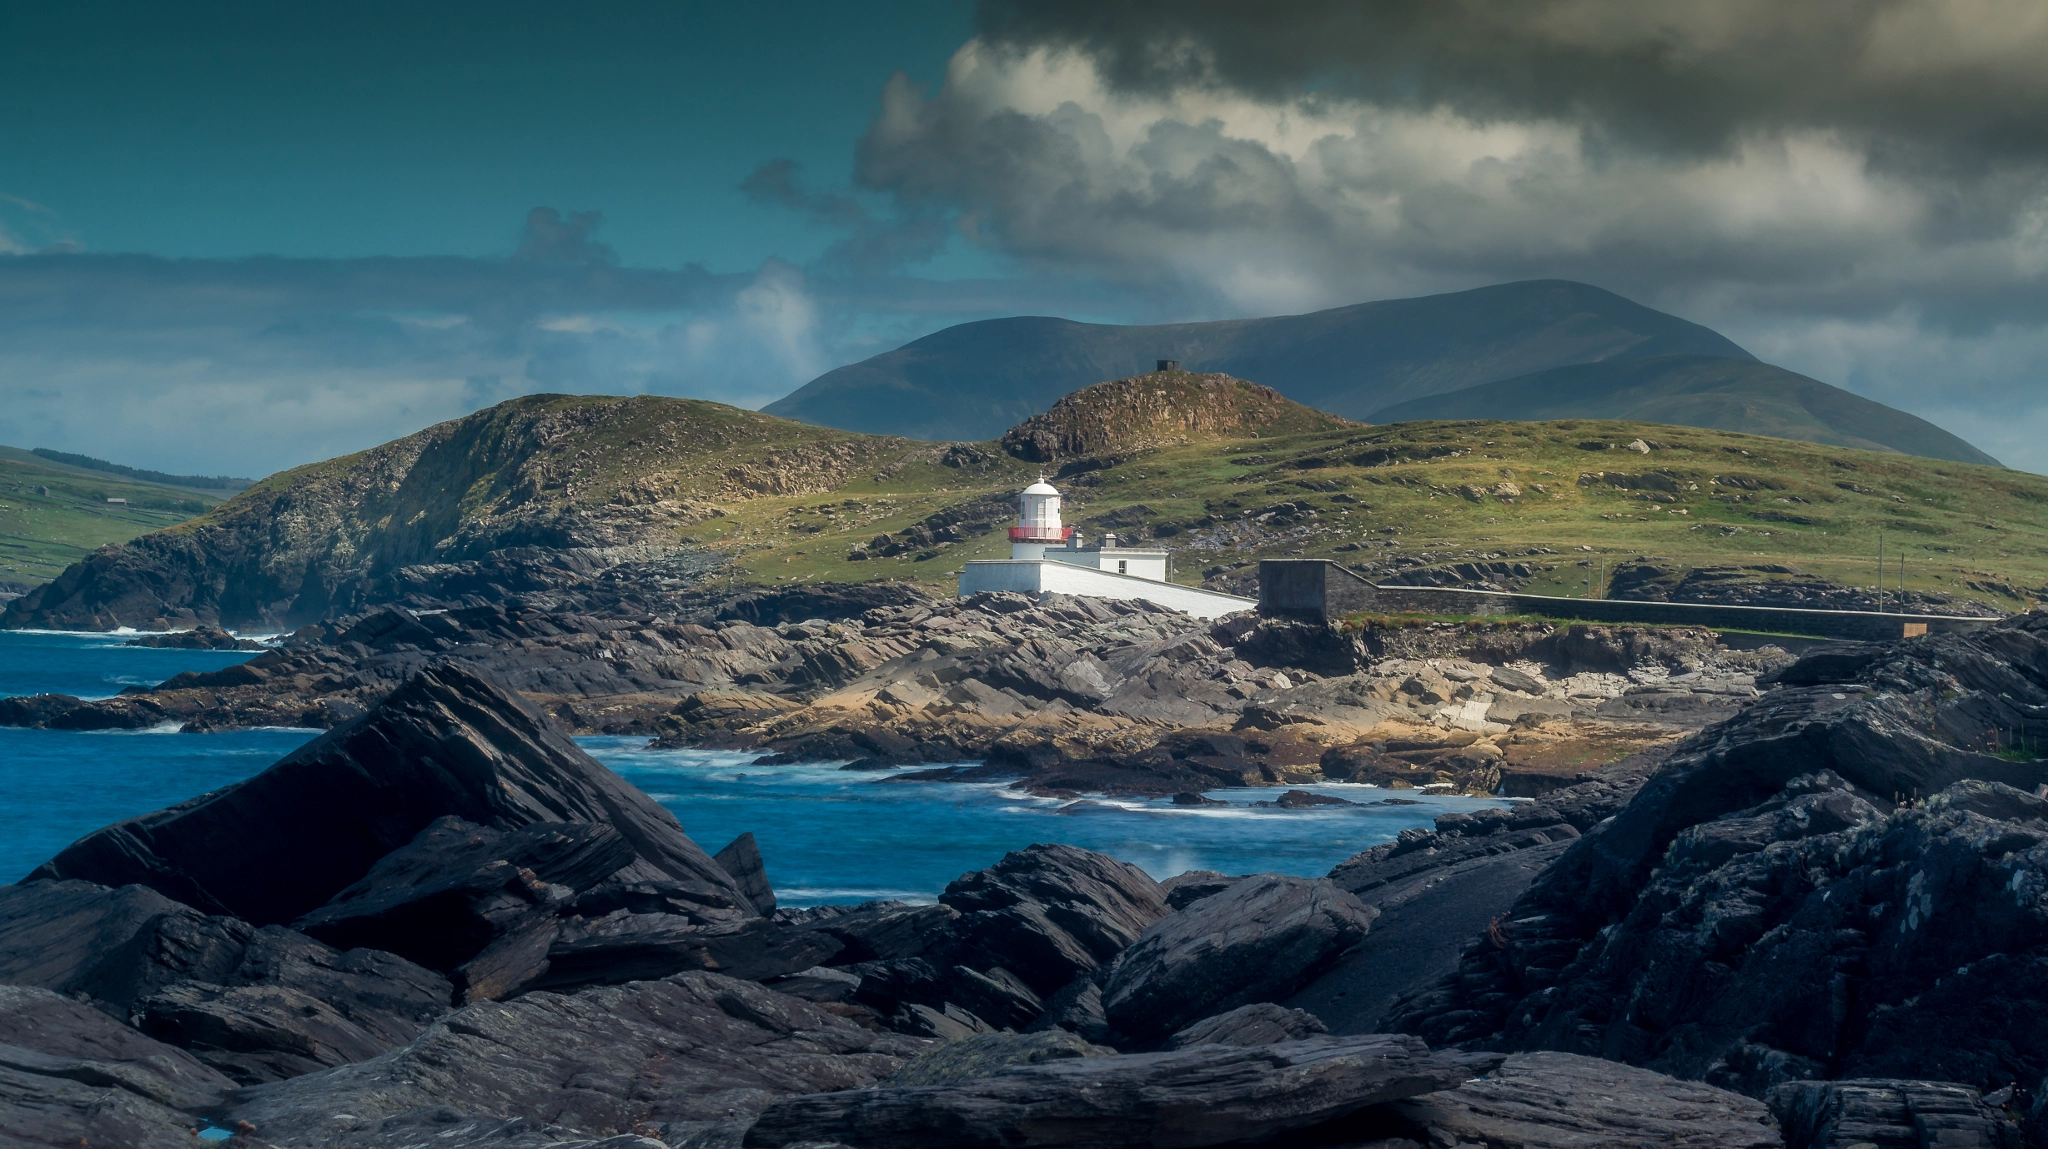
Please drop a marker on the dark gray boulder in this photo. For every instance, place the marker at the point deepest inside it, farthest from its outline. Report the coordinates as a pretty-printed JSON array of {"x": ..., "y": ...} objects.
[
  {"x": 741, "y": 858},
  {"x": 1053, "y": 913},
  {"x": 1261, "y": 1023},
  {"x": 457, "y": 886},
  {"x": 880, "y": 931},
  {"x": 1562, "y": 1101},
  {"x": 1260, "y": 940},
  {"x": 112, "y": 945},
  {"x": 71, "y": 1076},
  {"x": 622, "y": 947},
  {"x": 985, "y": 1054},
  {"x": 1077, "y": 1008},
  {"x": 1889, "y": 1115},
  {"x": 447, "y": 742},
  {"x": 693, "y": 1057},
  {"x": 1213, "y": 1095}
]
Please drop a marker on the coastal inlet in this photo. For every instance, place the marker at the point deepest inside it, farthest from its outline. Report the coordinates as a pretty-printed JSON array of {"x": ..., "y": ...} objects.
[{"x": 827, "y": 835}]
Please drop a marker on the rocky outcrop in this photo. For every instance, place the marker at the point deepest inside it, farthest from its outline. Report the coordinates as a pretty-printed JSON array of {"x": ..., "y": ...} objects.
[
  {"x": 448, "y": 743},
  {"x": 71, "y": 1076},
  {"x": 1050, "y": 914},
  {"x": 1258, "y": 941},
  {"x": 691, "y": 1056},
  {"x": 198, "y": 638},
  {"x": 1212, "y": 1095},
  {"x": 554, "y": 492},
  {"x": 1147, "y": 411},
  {"x": 1560, "y": 1101},
  {"x": 1889, "y": 1115},
  {"x": 1834, "y": 884},
  {"x": 1261, "y": 1023}
]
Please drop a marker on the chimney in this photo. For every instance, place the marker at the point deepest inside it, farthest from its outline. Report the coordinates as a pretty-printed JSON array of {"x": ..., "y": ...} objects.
[
  {"x": 1169, "y": 364},
  {"x": 1108, "y": 540}
]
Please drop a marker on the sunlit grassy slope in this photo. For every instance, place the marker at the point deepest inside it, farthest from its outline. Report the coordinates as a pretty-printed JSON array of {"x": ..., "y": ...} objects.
[
  {"x": 1456, "y": 489},
  {"x": 41, "y": 535}
]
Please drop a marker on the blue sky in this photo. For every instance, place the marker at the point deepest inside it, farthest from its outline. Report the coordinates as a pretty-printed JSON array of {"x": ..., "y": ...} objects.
[{"x": 238, "y": 237}]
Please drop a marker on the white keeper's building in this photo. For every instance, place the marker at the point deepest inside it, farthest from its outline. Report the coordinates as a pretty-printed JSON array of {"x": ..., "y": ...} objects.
[{"x": 1046, "y": 555}]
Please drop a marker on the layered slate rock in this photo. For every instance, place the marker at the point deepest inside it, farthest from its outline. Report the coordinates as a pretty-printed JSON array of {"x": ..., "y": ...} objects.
[
  {"x": 1258, "y": 941},
  {"x": 442, "y": 897},
  {"x": 1561, "y": 1101},
  {"x": 1889, "y": 1115},
  {"x": 1213, "y": 1095},
  {"x": 692, "y": 1056},
  {"x": 283, "y": 843},
  {"x": 1052, "y": 913},
  {"x": 1775, "y": 905},
  {"x": 258, "y": 1004},
  {"x": 741, "y": 859},
  {"x": 1261, "y": 1023},
  {"x": 72, "y": 1076},
  {"x": 1440, "y": 891}
]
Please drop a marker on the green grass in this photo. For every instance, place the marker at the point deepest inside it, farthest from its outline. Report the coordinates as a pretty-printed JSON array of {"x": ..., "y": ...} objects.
[
  {"x": 41, "y": 535},
  {"x": 1434, "y": 488}
]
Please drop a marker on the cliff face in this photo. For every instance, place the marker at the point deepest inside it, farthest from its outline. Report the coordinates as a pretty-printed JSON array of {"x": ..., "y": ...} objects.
[
  {"x": 1157, "y": 410},
  {"x": 511, "y": 498}
]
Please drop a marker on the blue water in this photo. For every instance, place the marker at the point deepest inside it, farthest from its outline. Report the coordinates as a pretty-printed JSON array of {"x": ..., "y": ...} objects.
[{"x": 828, "y": 835}]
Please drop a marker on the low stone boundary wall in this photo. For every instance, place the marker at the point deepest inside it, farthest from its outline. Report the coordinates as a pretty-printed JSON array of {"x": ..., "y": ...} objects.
[{"x": 1325, "y": 590}]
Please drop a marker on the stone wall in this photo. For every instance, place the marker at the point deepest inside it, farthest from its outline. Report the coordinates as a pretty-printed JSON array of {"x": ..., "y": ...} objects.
[{"x": 1325, "y": 590}]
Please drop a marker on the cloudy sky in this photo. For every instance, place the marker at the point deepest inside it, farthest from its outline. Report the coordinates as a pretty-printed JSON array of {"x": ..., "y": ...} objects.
[{"x": 237, "y": 237}]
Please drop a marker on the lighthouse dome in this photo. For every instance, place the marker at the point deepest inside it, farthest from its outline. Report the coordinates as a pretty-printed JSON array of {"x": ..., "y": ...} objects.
[{"x": 1041, "y": 487}]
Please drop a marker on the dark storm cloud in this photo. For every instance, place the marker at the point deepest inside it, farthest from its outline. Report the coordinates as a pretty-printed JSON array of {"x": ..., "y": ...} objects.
[{"x": 1959, "y": 79}]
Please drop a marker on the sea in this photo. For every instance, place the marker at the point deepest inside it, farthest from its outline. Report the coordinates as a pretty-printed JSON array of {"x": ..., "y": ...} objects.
[{"x": 826, "y": 834}]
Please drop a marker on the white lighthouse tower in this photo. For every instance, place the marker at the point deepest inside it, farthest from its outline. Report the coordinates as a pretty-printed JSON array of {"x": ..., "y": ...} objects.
[{"x": 1038, "y": 522}]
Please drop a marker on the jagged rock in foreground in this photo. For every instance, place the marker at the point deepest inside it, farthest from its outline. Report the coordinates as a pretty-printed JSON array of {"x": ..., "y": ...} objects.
[
  {"x": 1213, "y": 1095},
  {"x": 1560, "y": 1101},
  {"x": 1439, "y": 891},
  {"x": 695, "y": 1055},
  {"x": 447, "y": 743},
  {"x": 1762, "y": 911},
  {"x": 1258, "y": 941},
  {"x": 1261, "y": 1023},
  {"x": 1889, "y": 1115},
  {"x": 72, "y": 1076},
  {"x": 257, "y": 1004},
  {"x": 1053, "y": 913}
]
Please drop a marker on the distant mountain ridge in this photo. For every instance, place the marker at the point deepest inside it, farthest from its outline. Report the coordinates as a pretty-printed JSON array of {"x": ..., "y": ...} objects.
[
  {"x": 1698, "y": 391},
  {"x": 972, "y": 381},
  {"x": 203, "y": 482}
]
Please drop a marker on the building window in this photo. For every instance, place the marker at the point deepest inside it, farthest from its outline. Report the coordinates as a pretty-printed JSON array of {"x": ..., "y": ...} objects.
[{"x": 1123, "y": 567}]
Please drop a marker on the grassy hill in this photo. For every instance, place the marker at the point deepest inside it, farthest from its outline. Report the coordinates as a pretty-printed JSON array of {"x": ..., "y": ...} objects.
[
  {"x": 1697, "y": 391},
  {"x": 975, "y": 380},
  {"x": 41, "y": 534},
  {"x": 581, "y": 482}
]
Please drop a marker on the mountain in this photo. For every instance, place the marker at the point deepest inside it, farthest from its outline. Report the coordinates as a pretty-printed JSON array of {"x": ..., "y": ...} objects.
[
  {"x": 53, "y": 514},
  {"x": 972, "y": 381},
  {"x": 1697, "y": 391}
]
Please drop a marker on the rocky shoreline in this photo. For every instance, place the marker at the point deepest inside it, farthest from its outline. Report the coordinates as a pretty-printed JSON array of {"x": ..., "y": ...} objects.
[
  {"x": 1814, "y": 920},
  {"x": 1069, "y": 695}
]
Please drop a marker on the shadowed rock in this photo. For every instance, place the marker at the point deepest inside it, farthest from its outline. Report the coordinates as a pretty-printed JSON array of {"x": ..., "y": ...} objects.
[
  {"x": 986, "y": 1054},
  {"x": 1260, "y": 940},
  {"x": 699, "y": 1053},
  {"x": 456, "y": 887},
  {"x": 283, "y": 843},
  {"x": 1052, "y": 913},
  {"x": 1561, "y": 1101},
  {"x": 1889, "y": 1115},
  {"x": 1209, "y": 1096},
  {"x": 741, "y": 858},
  {"x": 1261, "y": 1023}
]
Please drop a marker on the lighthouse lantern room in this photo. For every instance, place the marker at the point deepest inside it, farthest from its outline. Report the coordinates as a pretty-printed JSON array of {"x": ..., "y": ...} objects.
[{"x": 1038, "y": 522}]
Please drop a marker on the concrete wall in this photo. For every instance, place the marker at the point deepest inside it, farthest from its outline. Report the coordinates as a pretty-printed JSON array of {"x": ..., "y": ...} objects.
[
  {"x": 1066, "y": 578},
  {"x": 1293, "y": 588}
]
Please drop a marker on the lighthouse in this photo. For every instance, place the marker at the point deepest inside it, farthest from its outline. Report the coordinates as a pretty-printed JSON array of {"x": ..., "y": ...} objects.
[
  {"x": 1048, "y": 556},
  {"x": 1038, "y": 522}
]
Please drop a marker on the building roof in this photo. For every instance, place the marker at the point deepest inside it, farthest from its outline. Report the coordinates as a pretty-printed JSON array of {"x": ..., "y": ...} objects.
[{"x": 1041, "y": 487}]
